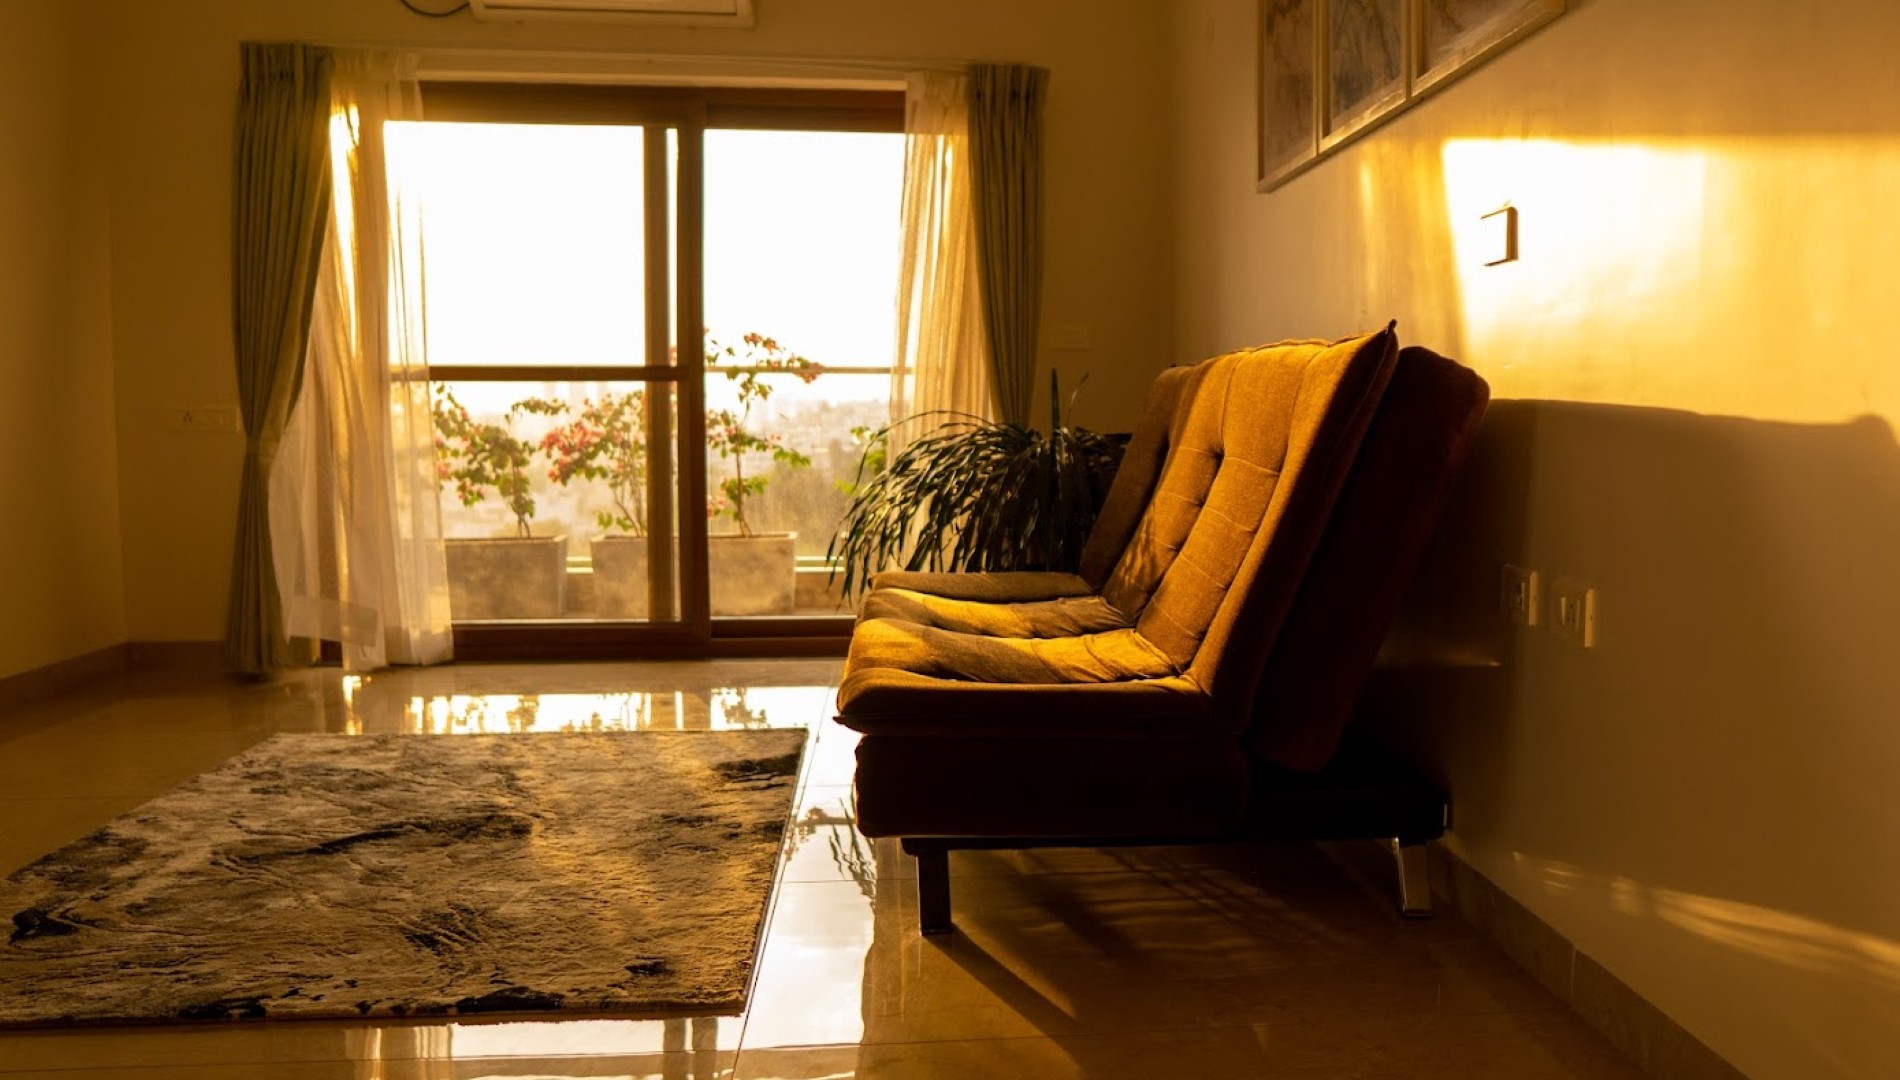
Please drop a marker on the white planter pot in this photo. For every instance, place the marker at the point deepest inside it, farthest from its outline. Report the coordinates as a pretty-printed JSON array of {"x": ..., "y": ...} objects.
[
  {"x": 751, "y": 575},
  {"x": 507, "y": 578},
  {"x": 620, "y": 577}
]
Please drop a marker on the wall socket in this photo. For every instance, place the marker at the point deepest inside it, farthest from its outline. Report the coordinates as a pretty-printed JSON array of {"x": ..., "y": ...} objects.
[
  {"x": 1574, "y": 612},
  {"x": 1519, "y": 596},
  {"x": 206, "y": 419}
]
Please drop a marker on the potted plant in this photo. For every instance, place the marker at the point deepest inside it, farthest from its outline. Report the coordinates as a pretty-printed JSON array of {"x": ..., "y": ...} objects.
[
  {"x": 519, "y": 576},
  {"x": 753, "y": 573},
  {"x": 975, "y": 495},
  {"x": 606, "y": 443}
]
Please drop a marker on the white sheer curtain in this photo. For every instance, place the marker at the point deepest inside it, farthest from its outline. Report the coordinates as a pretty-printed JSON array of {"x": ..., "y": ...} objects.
[
  {"x": 942, "y": 360},
  {"x": 355, "y": 522}
]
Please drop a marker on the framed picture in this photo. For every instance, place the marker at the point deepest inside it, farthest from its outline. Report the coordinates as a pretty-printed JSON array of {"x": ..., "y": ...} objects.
[
  {"x": 1288, "y": 89},
  {"x": 1455, "y": 34},
  {"x": 1331, "y": 70},
  {"x": 1365, "y": 65}
]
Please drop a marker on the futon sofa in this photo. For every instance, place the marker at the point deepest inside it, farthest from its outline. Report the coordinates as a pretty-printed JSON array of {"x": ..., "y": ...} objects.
[{"x": 1194, "y": 679}]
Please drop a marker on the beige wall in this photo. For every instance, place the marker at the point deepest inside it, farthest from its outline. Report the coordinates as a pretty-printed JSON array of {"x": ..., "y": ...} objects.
[
  {"x": 1700, "y": 390},
  {"x": 61, "y": 590},
  {"x": 173, "y": 75}
]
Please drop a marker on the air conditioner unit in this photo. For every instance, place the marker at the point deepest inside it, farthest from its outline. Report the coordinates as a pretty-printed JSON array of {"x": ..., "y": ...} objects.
[{"x": 737, "y": 13}]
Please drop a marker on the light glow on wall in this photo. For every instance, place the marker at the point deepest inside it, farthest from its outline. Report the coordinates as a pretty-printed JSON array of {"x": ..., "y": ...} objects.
[
  {"x": 1610, "y": 238},
  {"x": 1701, "y": 274}
]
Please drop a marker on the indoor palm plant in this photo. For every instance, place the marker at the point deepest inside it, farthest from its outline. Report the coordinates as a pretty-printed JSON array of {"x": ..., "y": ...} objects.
[{"x": 976, "y": 495}]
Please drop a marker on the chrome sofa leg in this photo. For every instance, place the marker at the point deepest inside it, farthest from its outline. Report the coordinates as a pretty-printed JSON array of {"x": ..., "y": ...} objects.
[
  {"x": 1415, "y": 880},
  {"x": 933, "y": 886}
]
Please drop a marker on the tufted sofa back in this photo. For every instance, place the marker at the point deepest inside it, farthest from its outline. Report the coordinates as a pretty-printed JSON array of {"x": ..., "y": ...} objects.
[
  {"x": 1256, "y": 447},
  {"x": 1128, "y": 497}
]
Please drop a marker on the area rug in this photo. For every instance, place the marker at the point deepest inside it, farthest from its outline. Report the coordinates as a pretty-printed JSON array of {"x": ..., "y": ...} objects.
[{"x": 329, "y": 876}]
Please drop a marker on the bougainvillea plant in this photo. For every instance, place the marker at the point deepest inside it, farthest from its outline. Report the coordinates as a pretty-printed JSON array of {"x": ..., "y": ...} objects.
[
  {"x": 746, "y": 365},
  {"x": 479, "y": 455},
  {"x": 606, "y": 442}
]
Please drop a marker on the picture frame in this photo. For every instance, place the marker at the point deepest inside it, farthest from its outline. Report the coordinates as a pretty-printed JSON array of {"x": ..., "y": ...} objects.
[
  {"x": 1452, "y": 36},
  {"x": 1328, "y": 71},
  {"x": 1368, "y": 43},
  {"x": 1286, "y": 89}
]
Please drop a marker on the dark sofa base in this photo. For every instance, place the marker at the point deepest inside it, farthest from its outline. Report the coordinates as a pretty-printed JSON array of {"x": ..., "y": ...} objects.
[
  {"x": 1363, "y": 794},
  {"x": 932, "y": 787}
]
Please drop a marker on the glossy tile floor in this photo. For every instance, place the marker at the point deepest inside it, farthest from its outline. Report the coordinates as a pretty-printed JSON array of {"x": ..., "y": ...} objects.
[{"x": 1258, "y": 961}]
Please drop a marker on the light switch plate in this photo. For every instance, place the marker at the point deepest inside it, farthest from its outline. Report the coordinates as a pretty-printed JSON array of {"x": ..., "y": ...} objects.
[{"x": 1500, "y": 235}]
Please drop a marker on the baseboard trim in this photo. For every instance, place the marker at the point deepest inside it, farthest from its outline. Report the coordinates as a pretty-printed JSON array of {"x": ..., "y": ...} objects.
[
  {"x": 176, "y": 656},
  {"x": 1657, "y": 1044},
  {"x": 60, "y": 676}
]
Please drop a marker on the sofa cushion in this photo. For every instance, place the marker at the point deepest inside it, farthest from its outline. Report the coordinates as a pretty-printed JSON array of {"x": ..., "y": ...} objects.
[
  {"x": 1113, "y": 656},
  {"x": 1135, "y": 479},
  {"x": 1001, "y": 587},
  {"x": 891, "y": 701},
  {"x": 1063, "y": 616}
]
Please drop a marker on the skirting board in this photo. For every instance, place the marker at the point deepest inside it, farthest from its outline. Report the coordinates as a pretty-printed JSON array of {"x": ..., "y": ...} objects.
[
  {"x": 1657, "y": 1044},
  {"x": 61, "y": 676}
]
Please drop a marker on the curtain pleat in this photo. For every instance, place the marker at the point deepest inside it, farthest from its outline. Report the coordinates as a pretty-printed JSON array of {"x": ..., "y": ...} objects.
[
  {"x": 1006, "y": 157},
  {"x": 281, "y": 196},
  {"x": 942, "y": 359}
]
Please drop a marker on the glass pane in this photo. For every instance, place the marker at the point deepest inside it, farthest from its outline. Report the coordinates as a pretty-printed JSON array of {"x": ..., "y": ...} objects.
[
  {"x": 802, "y": 245},
  {"x": 557, "y": 499},
  {"x": 532, "y": 237}
]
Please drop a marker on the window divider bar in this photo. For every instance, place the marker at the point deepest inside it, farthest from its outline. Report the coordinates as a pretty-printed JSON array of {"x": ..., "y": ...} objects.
[
  {"x": 689, "y": 201},
  {"x": 662, "y": 507},
  {"x": 554, "y": 372}
]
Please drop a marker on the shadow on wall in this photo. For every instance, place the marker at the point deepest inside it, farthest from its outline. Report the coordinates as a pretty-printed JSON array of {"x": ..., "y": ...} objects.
[{"x": 1723, "y": 759}]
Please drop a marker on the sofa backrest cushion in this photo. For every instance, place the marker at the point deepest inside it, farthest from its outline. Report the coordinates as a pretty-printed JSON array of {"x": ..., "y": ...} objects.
[
  {"x": 1128, "y": 497},
  {"x": 1368, "y": 556},
  {"x": 1258, "y": 446}
]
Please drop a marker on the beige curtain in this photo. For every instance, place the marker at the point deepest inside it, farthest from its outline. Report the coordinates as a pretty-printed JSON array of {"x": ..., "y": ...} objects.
[
  {"x": 1006, "y": 102},
  {"x": 356, "y": 521},
  {"x": 942, "y": 360},
  {"x": 280, "y": 196}
]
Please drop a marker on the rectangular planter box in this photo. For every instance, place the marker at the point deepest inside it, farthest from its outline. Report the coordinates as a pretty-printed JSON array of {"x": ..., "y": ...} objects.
[
  {"x": 751, "y": 575},
  {"x": 507, "y": 578}
]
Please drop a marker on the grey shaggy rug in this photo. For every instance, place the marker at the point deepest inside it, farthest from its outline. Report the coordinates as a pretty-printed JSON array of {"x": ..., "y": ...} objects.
[{"x": 326, "y": 876}]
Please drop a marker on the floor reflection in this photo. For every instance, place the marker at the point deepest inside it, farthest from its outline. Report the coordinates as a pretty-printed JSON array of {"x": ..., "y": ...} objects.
[{"x": 1141, "y": 962}]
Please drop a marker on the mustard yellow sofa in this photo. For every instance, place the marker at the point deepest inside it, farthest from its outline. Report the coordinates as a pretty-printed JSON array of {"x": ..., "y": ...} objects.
[{"x": 1193, "y": 680}]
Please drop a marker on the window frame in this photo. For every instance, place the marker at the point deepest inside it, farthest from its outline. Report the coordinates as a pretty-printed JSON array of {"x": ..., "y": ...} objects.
[{"x": 690, "y": 111}]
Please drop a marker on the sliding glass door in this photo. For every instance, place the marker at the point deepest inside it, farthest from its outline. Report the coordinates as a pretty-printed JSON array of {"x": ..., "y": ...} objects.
[{"x": 611, "y": 485}]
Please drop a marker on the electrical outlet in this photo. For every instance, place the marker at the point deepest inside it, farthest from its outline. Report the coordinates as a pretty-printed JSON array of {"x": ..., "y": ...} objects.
[
  {"x": 209, "y": 419},
  {"x": 1518, "y": 596},
  {"x": 1574, "y": 610}
]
